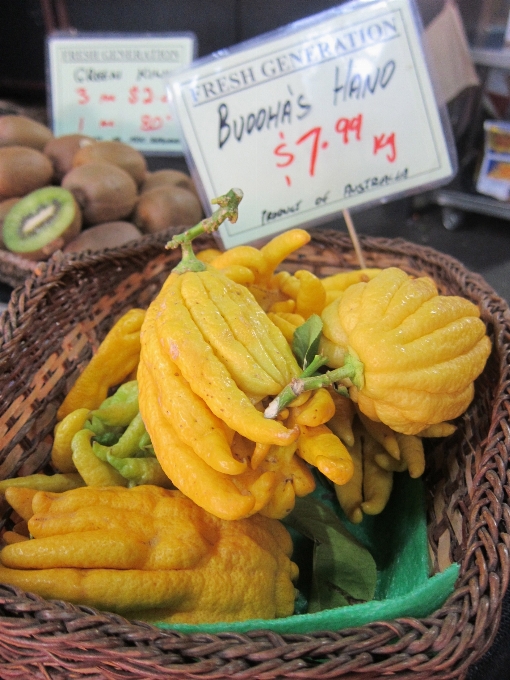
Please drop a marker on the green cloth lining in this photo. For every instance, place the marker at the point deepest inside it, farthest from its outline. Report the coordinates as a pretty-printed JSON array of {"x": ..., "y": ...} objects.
[{"x": 397, "y": 539}]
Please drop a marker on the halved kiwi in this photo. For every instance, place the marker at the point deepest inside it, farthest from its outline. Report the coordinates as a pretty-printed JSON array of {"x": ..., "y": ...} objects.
[
  {"x": 5, "y": 207},
  {"x": 41, "y": 223}
]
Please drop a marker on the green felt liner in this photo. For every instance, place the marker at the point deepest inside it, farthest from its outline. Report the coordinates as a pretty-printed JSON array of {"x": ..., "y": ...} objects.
[{"x": 397, "y": 539}]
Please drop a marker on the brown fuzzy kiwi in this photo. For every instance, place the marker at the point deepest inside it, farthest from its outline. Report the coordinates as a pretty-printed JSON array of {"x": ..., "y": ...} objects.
[
  {"x": 168, "y": 177},
  {"x": 61, "y": 151},
  {"x": 5, "y": 206},
  {"x": 166, "y": 206},
  {"x": 42, "y": 222},
  {"x": 102, "y": 236},
  {"x": 22, "y": 170},
  {"x": 23, "y": 131},
  {"x": 104, "y": 191},
  {"x": 118, "y": 153}
]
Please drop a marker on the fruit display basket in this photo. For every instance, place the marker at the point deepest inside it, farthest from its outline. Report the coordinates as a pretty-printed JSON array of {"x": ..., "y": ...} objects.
[
  {"x": 53, "y": 323},
  {"x": 14, "y": 269}
]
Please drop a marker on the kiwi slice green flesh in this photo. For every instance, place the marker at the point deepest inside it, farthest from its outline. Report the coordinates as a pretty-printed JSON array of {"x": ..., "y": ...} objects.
[{"x": 41, "y": 222}]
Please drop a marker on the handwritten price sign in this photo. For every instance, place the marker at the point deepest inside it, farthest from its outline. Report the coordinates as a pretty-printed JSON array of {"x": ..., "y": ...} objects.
[
  {"x": 114, "y": 87},
  {"x": 333, "y": 112}
]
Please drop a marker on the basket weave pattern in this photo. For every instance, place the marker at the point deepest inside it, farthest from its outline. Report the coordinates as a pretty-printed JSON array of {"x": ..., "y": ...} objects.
[
  {"x": 53, "y": 323},
  {"x": 14, "y": 269}
]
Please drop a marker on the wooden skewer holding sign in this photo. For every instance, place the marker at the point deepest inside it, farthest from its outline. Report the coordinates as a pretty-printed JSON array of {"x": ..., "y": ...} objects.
[{"x": 354, "y": 238}]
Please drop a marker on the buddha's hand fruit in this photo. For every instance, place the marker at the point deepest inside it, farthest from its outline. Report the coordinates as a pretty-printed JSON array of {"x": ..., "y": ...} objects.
[
  {"x": 410, "y": 355},
  {"x": 209, "y": 356},
  {"x": 153, "y": 554},
  {"x": 420, "y": 351},
  {"x": 117, "y": 356}
]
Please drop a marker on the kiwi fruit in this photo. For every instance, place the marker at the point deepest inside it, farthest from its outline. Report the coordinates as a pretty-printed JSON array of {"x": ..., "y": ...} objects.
[
  {"x": 5, "y": 207},
  {"x": 22, "y": 170},
  {"x": 61, "y": 151},
  {"x": 41, "y": 223},
  {"x": 105, "y": 235},
  {"x": 18, "y": 130},
  {"x": 104, "y": 191},
  {"x": 118, "y": 153},
  {"x": 168, "y": 177},
  {"x": 166, "y": 206}
]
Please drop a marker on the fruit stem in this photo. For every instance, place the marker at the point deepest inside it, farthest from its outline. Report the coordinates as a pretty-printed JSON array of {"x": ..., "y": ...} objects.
[
  {"x": 228, "y": 210},
  {"x": 352, "y": 371}
]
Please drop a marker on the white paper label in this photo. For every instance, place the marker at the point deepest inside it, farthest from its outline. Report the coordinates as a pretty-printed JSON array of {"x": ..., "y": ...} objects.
[
  {"x": 114, "y": 87},
  {"x": 314, "y": 120}
]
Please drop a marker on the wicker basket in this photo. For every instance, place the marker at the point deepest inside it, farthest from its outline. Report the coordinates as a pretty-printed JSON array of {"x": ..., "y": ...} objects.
[
  {"x": 14, "y": 269},
  {"x": 52, "y": 324}
]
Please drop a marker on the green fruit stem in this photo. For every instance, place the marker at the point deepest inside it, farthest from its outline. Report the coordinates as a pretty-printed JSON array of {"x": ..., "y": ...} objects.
[
  {"x": 352, "y": 371},
  {"x": 228, "y": 210}
]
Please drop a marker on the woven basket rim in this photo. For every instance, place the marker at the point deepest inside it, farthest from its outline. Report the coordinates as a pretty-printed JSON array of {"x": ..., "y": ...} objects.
[
  {"x": 14, "y": 269},
  {"x": 30, "y": 276},
  {"x": 467, "y": 610}
]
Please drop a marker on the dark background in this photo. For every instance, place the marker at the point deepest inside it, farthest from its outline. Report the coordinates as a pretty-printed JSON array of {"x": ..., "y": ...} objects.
[
  {"x": 481, "y": 243},
  {"x": 216, "y": 23}
]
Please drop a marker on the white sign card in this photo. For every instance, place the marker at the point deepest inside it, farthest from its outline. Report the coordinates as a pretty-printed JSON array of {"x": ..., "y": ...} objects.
[
  {"x": 112, "y": 86},
  {"x": 332, "y": 112}
]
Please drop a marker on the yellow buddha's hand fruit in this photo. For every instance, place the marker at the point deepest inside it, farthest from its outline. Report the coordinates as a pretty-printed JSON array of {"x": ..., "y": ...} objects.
[
  {"x": 229, "y": 361},
  {"x": 304, "y": 289},
  {"x": 209, "y": 356},
  {"x": 421, "y": 351},
  {"x": 116, "y": 357},
  {"x": 221, "y": 341},
  {"x": 255, "y": 268},
  {"x": 152, "y": 554}
]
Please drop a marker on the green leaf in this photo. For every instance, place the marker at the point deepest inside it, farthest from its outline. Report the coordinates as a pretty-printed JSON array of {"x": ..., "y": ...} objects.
[
  {"x": 344, "y": 571},
  {"x": 305, "y": 342}
]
